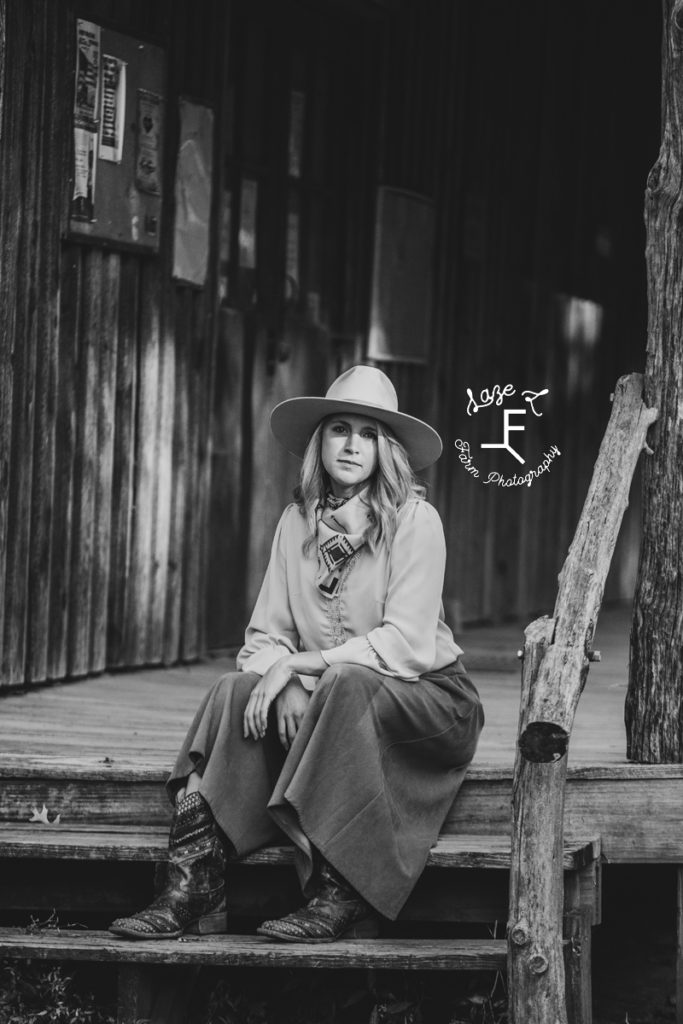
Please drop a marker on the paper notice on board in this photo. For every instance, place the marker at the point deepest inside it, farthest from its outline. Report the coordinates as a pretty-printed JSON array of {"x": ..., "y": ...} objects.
[
  {"x": 112, "y": 121},
  {"x": 147, "y": 160},
  {"x": 87, "y": 100},
  {"x": 193, "y": 193},
  {"x": 85, "y": 164}
]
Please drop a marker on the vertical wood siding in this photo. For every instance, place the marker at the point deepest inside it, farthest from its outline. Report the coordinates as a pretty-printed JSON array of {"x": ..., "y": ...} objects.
[
  {"x": 509, "y": 118},
  {"x": 286, "y": 349},
  {"x": 121, "y": 392},
  {"x": 106, "y": 374}
]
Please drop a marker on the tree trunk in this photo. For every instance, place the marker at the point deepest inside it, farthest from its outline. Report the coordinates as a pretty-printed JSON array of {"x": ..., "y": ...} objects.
[{"x": 654, "y": 724}]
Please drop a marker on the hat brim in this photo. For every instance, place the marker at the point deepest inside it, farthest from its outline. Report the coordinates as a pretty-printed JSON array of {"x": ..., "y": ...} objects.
[{"x": 294, "y": 420}]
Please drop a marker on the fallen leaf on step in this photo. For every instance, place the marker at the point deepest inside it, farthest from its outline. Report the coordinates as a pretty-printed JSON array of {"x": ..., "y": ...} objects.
[{"x": 42, "y": 816}]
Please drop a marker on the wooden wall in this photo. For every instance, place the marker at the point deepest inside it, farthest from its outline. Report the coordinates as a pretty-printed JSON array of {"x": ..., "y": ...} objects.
[
  {"x": 140, "y": 482},
  {"x": 276, "y": 341},
  {"x": 532, "y": 128},
  {"x": 107, "y": 375},
  {"x": 140, "y": 485}
]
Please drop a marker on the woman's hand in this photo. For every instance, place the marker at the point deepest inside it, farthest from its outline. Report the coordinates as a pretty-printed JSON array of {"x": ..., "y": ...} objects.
[
  {"x": 262, "y": 696},
  {"x": 291, "y": 706}
]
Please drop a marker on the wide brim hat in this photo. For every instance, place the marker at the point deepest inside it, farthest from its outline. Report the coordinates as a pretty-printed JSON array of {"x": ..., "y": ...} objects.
[{"x": 363, "y": 391}]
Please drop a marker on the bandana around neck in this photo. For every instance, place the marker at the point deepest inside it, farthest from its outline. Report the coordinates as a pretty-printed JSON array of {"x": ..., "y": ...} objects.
[{"x": 342, "y": 526}]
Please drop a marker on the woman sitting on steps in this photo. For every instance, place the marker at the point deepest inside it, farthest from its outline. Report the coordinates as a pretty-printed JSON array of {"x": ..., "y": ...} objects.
[{"x": 351, "y": 722}]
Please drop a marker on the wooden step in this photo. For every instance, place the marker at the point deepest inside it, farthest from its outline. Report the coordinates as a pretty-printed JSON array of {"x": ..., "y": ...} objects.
[
  {"x": 634, "y": 808},
  {"x": 131, "y": 843},
  {"x": 253, "y": 951}
]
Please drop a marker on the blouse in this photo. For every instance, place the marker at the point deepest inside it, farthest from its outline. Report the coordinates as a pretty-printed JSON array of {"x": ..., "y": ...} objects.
[{"x": 387, "y": 613}]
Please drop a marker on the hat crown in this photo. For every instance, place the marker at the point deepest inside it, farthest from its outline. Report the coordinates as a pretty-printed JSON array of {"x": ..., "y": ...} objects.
[
  {"x": 364, "y": 390},
  {"x": 366, "y": 385}
]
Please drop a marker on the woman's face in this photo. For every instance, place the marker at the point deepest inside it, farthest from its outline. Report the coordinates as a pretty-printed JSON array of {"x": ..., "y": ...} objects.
[{"x": 349, "y": 452}]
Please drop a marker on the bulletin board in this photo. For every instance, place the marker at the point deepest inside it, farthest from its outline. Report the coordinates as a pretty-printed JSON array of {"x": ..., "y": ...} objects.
[{"x": 118, "y": 125}]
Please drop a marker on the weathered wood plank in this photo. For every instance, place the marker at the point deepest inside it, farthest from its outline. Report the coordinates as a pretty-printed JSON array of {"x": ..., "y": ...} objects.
[
  {"x": 179, "y": 497},
  {"x": 51, "y": 160},
  {"x": 106, "y": 411},
  {"x": 87, "y": 801},
  {"x": 193, "y": 597},
  {"x": 482, "y": 778},
  {"x": 11, "y": 130},
  {"x": 75, "y": 884},
  {"x": 274, "y": 472},
  {"x": 638, "y": 819},
  {"x": 25, "y": 195},
  {"x": 85, "y": 466},
  {"x": 577, "y": 965},
  {"x": 163, "y": 492},
  {"x": 135, "y": 995},
  {"x": 68, "y": 763},
  {"x": 214, "y": 83},
  {"x": 226, "y": 579},
  {"x": 140, "y": 568},
  {"x": 65, "y": 444},
  {"x": 96, "y": 842},
  {"x": 248, "y": 951},
  {"x": 123, "y": 469}
]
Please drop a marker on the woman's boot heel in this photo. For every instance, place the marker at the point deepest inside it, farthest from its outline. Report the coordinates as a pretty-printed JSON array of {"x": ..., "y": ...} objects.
[
  {"x": 336, "y": 912},
  {"x": 210, "y": 924},
  {"x": 366, "y": 928}
]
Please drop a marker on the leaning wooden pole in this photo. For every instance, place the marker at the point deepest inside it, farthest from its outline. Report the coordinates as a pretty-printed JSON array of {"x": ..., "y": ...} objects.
[
  {"x": 654, "y": 725},
  {"x": 556, "y": 656}
]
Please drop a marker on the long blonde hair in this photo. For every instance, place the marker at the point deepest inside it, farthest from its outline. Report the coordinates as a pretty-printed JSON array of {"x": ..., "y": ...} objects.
[{"x": 392, "y": 484}]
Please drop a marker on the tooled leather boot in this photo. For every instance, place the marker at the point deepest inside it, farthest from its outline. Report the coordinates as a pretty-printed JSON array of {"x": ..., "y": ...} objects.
[
  {"x": 336, "y": 912},
  {"x": 193, "y": 899}
]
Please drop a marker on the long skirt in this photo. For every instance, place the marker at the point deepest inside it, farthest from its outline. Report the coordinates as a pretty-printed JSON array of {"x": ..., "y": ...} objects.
[{"x": 367, "y": 782}]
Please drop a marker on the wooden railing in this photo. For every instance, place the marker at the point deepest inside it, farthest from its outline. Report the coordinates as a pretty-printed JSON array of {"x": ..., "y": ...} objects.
[{"x": 557, "y": 653}]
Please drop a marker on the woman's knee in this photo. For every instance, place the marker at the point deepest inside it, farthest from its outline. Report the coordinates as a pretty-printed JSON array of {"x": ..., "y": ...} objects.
[
  {"x": 234, "y": 684},
  {"x": 341, "y": 676},
  {"x": 340, "y": 672}
]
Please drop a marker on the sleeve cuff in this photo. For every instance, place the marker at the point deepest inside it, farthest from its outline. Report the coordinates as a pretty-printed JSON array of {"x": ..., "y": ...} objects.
[
  {"x": 357, "y": 651},
  {"x": 261, "y": 661}
]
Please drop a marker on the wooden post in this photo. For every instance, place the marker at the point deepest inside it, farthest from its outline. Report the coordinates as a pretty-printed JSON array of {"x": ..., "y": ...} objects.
[
  {"x": 653, "y": 720},
  {"x": 135, "y": 994},
  {"x": 556, "y": 657},
  {"x": 578, "y": 920},
  {"x": 155, "y": 994}
]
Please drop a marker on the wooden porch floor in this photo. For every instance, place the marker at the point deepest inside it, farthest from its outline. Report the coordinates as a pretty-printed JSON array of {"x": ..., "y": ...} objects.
[{"x": 142, "y": 715}]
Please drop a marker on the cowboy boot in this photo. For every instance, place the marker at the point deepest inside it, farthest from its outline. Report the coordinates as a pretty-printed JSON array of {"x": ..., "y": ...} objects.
[
  {"x": 193, "y": 899},
  {"x": 335, "y": 912}
]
